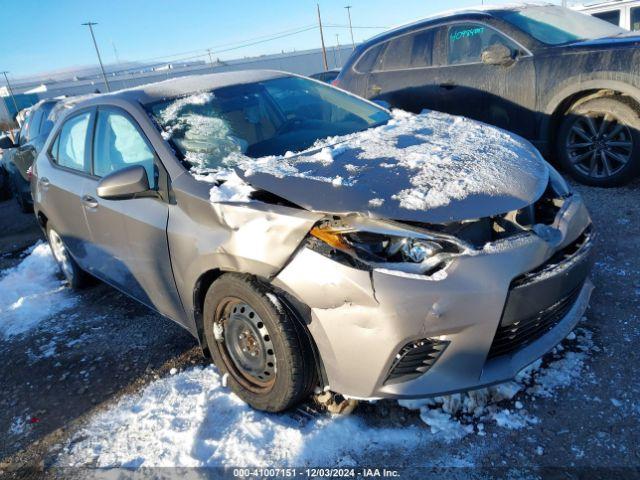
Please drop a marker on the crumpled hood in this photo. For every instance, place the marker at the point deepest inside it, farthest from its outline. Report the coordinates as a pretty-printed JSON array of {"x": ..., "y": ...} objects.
[{"x": 431, "y": 168}]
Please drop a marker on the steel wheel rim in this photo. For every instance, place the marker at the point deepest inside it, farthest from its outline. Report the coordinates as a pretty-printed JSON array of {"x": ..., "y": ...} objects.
[
  {"x": 246, "y": 347},
  {"x": 60, "y": 253},
  {"x": 599, "y": 146}
]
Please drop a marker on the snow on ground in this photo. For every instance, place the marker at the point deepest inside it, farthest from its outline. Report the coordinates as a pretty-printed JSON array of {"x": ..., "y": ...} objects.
[
  {"x": 457, "y": 414},
  {"x": 191, "y": 419},
  {"x": 31, "y": 292}
]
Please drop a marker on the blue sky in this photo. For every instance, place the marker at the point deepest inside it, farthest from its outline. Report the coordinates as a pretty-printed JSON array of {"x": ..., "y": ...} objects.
[{"x": 39, "y": 36}]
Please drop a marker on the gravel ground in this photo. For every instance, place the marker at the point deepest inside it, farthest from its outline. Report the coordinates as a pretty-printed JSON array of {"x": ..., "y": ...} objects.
[{"x": 81, "y": 361}]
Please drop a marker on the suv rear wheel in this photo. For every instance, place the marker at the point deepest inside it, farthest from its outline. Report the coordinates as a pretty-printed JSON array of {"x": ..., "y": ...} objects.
[
  {"x": 257, "y": 343},
  {"x": 599, "y": 142}
]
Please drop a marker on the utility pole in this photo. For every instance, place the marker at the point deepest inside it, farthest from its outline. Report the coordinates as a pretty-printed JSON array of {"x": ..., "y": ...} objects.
[
  {"x": 95, "y": 44},
  {"x": 210, "y": 57},
  {"x": 324, "y": 50},
  {"x": 353, "y": 43},
  {"x": 115, "y": 54},
  {"x": 6, "y": 79},
  {"x": 339, "y": 52}
]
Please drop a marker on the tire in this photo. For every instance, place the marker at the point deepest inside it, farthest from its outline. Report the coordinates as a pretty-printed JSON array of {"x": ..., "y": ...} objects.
[
  {"x": 599, "y": 142},
  {"x": 75, "y": 276},
  {"x": 242, "y": 318}
]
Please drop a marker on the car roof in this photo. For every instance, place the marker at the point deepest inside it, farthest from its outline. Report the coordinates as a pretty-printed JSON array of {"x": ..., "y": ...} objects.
[
  {"x": 187, "y": 85},
  {"x": 486, "y": 10}
]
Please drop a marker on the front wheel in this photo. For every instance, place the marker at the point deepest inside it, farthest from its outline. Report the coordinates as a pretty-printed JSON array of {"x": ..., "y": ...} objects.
[
  {"x": 599, "y": 142},
  {"x": 75, "y": 276},
  {"x": 257, "y": 344}
]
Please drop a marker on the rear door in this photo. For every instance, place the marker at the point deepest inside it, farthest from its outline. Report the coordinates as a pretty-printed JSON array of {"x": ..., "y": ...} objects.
[
  {"x": 502, "y": 95},
  {"x": 130, "y": 247},
  {"x": 403, "y": 72},
  {"x": 61, "y": 181}
]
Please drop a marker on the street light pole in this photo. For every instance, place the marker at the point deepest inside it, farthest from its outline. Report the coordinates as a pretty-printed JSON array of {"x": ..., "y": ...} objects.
[
  {"x": 353, "y": 43},
  {"x": 95, "y": 44},
  {"x": 13, "y": 98},
  {"x": 324, "y": 50}
]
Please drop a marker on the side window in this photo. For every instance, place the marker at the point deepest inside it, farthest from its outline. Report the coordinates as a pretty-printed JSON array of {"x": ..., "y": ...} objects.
[
  {"x": 413, "y": 50},
  {"x": 467, "y": 41},
  {"x": 24, "y": 135},
  {"x": 369, "y": 60},
  {"x": 34, "y": 124},
  {"x": 69, "y": 148},
  {"x": 635, "y": 18},
  {"x": 119, "y": 144},
  {"x": 611, "y": 16}
]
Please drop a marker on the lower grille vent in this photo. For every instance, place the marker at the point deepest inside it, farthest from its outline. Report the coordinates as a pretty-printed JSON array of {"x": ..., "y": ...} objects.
[{"x": 415, "y": 359}]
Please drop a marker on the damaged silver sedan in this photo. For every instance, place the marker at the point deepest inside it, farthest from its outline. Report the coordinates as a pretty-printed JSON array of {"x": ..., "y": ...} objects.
[{"x": 315, "y": 242}]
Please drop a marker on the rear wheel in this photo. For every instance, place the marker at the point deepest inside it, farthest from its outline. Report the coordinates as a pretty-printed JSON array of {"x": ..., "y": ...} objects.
[
  {"x": 76, "y": 277},
  {"x": 257, "y": 343},
  {"x": 599, "y": 142}
]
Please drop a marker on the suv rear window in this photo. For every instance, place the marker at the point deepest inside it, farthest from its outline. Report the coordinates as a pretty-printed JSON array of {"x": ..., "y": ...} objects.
[{"x": 413, "y": 50}]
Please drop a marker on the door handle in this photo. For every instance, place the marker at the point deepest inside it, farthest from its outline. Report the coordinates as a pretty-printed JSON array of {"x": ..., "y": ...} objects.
[
  {"x": 448, "y": 86},
  {"x": 89, "y": 201}
]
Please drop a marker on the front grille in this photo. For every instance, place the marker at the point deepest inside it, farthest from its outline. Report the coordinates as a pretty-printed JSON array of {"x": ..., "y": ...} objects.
[
  {"x": 541, "y": 298},
  {"x": 415, "y": 359},
  {"x": 518, "y": 334}
]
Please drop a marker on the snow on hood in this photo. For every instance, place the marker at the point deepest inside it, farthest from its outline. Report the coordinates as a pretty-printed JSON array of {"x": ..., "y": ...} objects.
[{"x": 431, "y": 167}]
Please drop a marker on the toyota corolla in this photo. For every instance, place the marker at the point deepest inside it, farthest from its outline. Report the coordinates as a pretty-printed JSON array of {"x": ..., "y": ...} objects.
[{"x": 313, "y": 241}]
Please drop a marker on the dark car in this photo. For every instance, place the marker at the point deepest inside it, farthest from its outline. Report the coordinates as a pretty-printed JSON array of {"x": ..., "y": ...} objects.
[
  {"x": 568, "y": 82},
  {"x": 17, "y": 160}
]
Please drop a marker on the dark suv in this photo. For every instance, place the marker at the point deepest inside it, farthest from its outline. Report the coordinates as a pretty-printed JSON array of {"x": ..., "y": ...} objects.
[
  {"x": 568, "y": 82},
  {"x": 16, "y": 161}
]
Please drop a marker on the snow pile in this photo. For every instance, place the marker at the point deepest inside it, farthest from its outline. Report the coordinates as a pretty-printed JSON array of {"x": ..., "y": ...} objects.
[
  {"x": 190, "y": 419},
  {"x": 463, "y": 413},
  {"x": 31, "y": 292}
]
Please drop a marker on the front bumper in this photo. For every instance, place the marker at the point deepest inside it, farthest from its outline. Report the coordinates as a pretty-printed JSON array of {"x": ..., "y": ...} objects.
[{"x": 360, "y": 320}]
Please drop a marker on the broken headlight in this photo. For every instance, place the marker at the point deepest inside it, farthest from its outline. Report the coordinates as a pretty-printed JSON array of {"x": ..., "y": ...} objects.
[{"x": 380, "y": 245}]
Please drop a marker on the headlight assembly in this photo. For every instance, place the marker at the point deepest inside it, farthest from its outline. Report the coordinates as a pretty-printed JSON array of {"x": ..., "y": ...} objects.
[{"x": 381, "y": 245}]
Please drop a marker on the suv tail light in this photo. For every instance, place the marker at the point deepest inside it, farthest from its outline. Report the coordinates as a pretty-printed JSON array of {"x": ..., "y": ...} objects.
[{"x": 335, "y": 82}]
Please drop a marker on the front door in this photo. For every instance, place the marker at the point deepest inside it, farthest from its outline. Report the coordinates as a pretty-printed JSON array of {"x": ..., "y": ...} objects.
[
  {"x": 502, "y": 95},
  {"x": 130, "y": 236}
]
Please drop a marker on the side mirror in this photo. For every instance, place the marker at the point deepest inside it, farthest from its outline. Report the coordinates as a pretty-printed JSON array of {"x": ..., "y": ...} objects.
[
  {"x": 6, "y": 143},
  {"x": 124, "y": 184},
  {"x": 498, "y": 54}
]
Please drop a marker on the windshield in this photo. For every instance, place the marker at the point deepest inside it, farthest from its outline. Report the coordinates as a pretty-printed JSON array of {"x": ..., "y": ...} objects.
[
  {"x": 556, "y": 25},
  {"x": 272, "y": 117}
]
